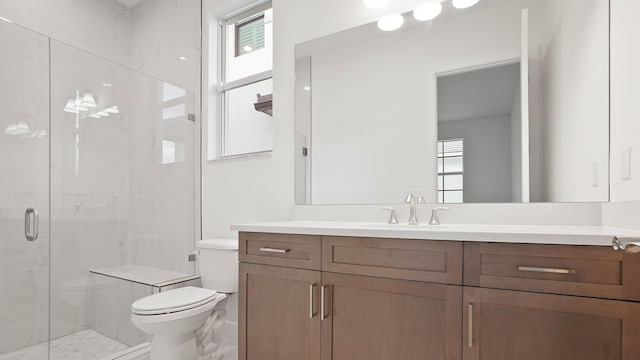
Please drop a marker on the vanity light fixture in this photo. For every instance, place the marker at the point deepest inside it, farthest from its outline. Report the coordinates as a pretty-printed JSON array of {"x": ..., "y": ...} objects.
[
  {"x": 428, "y": 11},
  {"x": 390, "y": 22},
  {"x": 463, "y": 4},
  {"x": 88, "y": 101},
  {"x": 376, "y": 4}
]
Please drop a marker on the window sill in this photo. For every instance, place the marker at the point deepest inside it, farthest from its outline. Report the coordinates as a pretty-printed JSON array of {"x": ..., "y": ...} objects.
[{"x": 267, "y": 153}]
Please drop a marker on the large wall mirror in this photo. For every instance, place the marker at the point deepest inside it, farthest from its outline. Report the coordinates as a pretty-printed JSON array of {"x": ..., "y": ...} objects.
[{"x": 505, "y": 101}]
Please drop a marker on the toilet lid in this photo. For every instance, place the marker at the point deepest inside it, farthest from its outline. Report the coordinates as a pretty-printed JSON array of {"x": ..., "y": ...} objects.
[{"x": 171, "y": 301}]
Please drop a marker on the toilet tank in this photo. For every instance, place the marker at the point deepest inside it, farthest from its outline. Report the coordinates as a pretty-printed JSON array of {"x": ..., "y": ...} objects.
[{"x": 218, "y": 263}]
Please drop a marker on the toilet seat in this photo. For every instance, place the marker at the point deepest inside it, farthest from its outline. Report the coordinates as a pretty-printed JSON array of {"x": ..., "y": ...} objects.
[{"x": 173, "y": 301}]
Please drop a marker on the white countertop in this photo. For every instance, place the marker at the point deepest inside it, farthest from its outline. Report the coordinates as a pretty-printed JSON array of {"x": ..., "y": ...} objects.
[{"x": 529, "y": 234}]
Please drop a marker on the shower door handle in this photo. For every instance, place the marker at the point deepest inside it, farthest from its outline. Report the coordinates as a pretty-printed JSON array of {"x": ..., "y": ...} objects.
[{"x": 31, "y": 224}]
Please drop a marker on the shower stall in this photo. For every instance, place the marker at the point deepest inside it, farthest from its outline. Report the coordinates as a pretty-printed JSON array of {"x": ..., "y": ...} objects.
[{"x": 97, "y": 198}]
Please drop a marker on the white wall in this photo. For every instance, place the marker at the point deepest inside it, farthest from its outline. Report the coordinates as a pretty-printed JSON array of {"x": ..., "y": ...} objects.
[
  {"x": 573, "y": 98},
  {"x": 487, "y": 157},
  {"x": 625, "y": 114}
]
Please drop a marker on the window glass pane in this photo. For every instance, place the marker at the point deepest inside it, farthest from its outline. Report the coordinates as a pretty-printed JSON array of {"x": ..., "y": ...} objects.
[
  {"x": 240, "y": 62},
  {"x": 453, "y": 197},
  {"x": 247, "y": 130},
  {"x": 440, "y": 197},
  {"x": 440, "y": 166},
  {"x": 452, "y": 165},
  {"x": 440, "y": 182},
  {"x": 453, "y": 147},
  {"x": 250, "y": 36},
  {"x": 453, "y": 182}
]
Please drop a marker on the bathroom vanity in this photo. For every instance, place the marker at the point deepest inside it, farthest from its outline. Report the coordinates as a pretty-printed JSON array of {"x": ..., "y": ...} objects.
[{"x": 371, "y": 291}]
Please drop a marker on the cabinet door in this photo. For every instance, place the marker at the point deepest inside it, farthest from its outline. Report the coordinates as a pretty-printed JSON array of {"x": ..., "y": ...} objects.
[
  {"x": 279, "y": 317},
  {"x": 383, "y": 319},
  {"x": 507, "y": 325}
]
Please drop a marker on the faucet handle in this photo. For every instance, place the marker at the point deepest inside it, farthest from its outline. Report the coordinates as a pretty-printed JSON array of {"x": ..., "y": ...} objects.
[
  {"x": 393, "y": 218},
  {"x": 410, "y": 197},
  {"x": 434, "y": 215}
]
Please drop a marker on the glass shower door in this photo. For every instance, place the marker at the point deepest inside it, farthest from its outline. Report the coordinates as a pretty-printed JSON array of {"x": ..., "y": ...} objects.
[{"x": 24, "y": 193}]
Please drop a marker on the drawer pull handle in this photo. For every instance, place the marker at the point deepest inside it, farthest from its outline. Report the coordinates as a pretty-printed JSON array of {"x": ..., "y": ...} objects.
[
  {"x": 323, "y": 304},
  {"x": 546, "y": 270},
  {"x": 470, "y": 327},
  {"x": 311, "y": 291},
  {"x": 272, "y": 250}
]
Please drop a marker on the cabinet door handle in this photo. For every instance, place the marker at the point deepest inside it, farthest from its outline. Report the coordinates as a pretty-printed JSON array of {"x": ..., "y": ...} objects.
[
  {"x": 546, "y": 270},
  {"x": 470, "y": 325},
  {"x": 311, "y": 291},
  {"x": 31, "y": 224},
  {"x": 272, "y": 250},
  {"x": 323, "y": 304}
]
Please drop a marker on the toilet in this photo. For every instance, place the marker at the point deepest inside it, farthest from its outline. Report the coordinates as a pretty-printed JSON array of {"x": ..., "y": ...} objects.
[{"x": 183, "y": 322}]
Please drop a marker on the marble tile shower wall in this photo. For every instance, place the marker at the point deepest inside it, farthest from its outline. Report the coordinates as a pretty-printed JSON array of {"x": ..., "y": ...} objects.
[{"x": 122, "y": 206}]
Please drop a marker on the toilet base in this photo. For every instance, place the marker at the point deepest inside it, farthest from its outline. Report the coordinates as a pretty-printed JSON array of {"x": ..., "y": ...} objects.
[{"x": 174, "y": 347}]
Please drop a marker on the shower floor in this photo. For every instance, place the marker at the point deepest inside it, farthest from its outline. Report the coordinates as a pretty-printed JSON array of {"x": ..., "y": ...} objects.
[{"x": 83, "y": 345}]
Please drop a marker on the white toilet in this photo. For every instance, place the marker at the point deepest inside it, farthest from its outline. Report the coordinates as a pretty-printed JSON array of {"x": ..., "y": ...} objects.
[{"x": 184, "y": 321}]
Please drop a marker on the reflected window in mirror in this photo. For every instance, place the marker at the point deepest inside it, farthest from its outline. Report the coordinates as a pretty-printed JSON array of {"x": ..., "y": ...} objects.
[
  {"x": 451, "y": 171},
  {"x": 245, "y": 125}
]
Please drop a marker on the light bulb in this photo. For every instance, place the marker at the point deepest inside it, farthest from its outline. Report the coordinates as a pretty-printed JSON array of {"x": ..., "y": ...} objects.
[
  {"x": 390, "y": 22},
  {"x": 376, "y": 4},
  {"x": 463, "y": 4},
  {"x": 428, "y": 11},
  {"x": 88, "y": 101}
]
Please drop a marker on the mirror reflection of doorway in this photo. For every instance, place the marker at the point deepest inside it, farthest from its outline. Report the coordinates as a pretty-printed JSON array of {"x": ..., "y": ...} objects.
[{"x": 480, "y": 142}]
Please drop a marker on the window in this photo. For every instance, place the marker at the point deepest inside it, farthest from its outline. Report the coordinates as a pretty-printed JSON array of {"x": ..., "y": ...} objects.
[
  {"x": 250, "y": 36},
  {"x": 450, "y": 171},
  {"x": 244, "y": 122}
]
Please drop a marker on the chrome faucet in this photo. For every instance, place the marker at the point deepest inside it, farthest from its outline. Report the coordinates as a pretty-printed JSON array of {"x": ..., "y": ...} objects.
[
  {"x": 414, "y": 200},
  {"x": 434, "y": 215}
]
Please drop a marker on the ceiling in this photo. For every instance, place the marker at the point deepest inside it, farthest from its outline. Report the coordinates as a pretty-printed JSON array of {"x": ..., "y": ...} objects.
[{"x": 478, "y": 94}]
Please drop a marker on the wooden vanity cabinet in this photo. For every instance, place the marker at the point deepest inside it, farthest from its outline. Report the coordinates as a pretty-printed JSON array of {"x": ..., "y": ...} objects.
[
  {"x": 508, "y": 325},
  {"x": 278, "y": 317},
  {"x": 353, "y": 298},
  {"x": 369, "y": 299},
  {"x": 383, "y": 319},
  {"x": 279, "y": 296},
  {"x": 593, "y": 271}
]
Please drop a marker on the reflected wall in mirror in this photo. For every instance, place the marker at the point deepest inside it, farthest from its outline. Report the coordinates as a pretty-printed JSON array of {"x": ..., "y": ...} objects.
[{"x": 506, "y": 101}]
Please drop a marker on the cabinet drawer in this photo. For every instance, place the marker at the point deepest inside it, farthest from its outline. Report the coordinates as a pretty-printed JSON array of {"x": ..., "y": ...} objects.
[
  {"x": 418, "y": 260},
  {"x": 299, "y": 251},
  {"x": 559, "y": 269}
]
